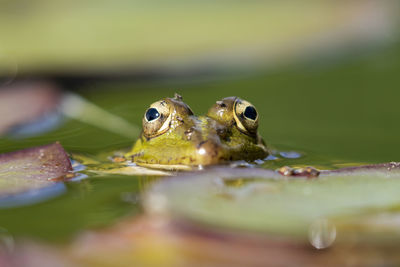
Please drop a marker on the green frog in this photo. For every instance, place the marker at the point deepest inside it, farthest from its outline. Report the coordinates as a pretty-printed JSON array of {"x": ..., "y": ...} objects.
[{"x": 174, "y": 138}]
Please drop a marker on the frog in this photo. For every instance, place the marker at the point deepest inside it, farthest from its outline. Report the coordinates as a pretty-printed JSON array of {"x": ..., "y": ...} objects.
[{"x": 173, "y": 137}]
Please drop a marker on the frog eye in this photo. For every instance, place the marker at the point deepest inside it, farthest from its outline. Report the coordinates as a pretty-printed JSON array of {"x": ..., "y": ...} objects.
[
  {"x": 156, "y": 119},
  {"x": 152, "y": 114},
  {"x": 250, "y": 113},
  {"x": 246, "y": 116}
]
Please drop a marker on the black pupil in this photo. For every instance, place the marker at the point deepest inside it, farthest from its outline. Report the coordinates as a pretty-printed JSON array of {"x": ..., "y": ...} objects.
[
  {"x": 250, "y": 112},
  {"x": 152, "y": 114}
]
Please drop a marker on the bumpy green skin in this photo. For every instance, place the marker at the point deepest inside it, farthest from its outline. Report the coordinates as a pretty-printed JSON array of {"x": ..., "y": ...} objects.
[{"x": 203, "y": 140}]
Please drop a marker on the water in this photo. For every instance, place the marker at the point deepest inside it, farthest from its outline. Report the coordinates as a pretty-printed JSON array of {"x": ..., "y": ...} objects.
[{"x": 331, "y": 115}]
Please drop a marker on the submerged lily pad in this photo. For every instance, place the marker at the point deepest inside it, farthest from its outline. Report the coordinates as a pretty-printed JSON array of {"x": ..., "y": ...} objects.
[
  {"x": 262, "y": 202},
  {"x": 29, "y": 175}
]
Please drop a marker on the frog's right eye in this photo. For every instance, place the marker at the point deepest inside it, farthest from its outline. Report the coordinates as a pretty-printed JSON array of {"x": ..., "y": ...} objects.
[
  {"x": 246, "y": 116},
  {"x": 157, "y": 119}
]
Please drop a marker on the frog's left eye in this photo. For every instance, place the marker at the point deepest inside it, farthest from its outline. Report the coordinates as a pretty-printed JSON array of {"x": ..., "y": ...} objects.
[
  {"x": 152, "y": 114},
  {"x": 246, "y": 116},
  {"x": 157, "y": 119}
]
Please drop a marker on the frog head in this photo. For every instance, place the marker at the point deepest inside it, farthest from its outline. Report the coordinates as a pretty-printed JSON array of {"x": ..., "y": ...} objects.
[{"x": 173, "y": 136}]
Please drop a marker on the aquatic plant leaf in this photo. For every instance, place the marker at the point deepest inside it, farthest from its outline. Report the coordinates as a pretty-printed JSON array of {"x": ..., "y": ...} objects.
[
  {"x": 198, "y": 234},
  {"x": 77, "y": 107},
  {"x": 30, "y": 108},
  {"x": 29, "y": 170},
  {"x": 263, "y": 202}
]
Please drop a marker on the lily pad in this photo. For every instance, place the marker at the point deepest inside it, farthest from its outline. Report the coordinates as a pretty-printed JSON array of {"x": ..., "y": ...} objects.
[
  {"x": 204, "y": 206},
  {"x": 264, "y": 203},
  {"x": 39, "y": 113},
  {"x": 30, "y": 175}
]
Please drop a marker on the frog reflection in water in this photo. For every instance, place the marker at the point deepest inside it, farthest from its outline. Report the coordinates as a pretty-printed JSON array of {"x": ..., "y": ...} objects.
[{"x": 172, "y": 135}]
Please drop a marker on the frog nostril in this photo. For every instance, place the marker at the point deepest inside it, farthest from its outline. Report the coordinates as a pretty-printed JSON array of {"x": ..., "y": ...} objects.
[
  {"x": 152, "y": 114},
  {"x": 221, "y": 104}
]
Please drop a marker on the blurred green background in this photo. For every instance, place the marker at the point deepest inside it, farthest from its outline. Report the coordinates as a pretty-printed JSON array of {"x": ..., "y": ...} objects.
[{"x": 324, "y": 76}]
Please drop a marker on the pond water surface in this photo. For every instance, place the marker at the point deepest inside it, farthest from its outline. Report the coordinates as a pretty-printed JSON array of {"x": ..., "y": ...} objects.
[{"x": 334, "y": 115}]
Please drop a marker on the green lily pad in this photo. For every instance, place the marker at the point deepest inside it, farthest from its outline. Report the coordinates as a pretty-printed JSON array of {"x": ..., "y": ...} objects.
[
  {"x": 263, "y": 202},
  {"x": 31, "y": 174}
]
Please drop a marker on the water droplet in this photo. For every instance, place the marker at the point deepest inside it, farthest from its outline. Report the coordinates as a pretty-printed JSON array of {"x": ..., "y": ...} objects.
[{"x": 322, "y": 233}]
